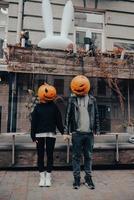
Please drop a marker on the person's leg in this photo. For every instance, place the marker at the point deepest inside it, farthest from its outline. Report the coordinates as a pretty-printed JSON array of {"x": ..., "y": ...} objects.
[
  {"x": 40, "y": 153},
  {"x": 88, "y": 143},
  {"x": 40, "y": 160},
  {"x": 76, "y": 155},
  {"x": 50, "y": 144}
]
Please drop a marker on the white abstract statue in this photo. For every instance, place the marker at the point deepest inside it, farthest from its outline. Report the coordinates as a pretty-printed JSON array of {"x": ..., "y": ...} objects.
[{"x": 56, "y": 41}]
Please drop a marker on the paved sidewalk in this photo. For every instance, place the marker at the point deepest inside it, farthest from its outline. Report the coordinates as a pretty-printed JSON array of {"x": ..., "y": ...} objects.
[{"x": 110, "y": 185}]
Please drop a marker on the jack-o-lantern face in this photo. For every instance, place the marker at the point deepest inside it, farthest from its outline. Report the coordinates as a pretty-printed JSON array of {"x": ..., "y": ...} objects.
[
  {"x": 46, "y": 92},
  {"x": 80, "y": 85}
]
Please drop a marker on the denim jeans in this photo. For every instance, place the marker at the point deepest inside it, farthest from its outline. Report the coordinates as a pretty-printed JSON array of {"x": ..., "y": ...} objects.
[{"x": 82, "y": 143}]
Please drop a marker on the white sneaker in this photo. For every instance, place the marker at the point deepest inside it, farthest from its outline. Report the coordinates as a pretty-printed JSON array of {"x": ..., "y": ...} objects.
[
  {"x": 48, "y": 179},
  {"x": 42, "y": 179}
]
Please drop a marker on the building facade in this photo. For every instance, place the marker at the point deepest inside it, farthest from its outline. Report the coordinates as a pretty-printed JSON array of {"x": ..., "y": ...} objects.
[{"x": 108, "y": 24}]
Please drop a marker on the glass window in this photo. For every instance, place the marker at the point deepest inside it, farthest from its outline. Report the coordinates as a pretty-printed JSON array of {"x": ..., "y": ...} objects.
[
  {"x": 91, "y": 26},
  {"x": 80, "y": 38},
  {"x": 105, "y": 118},
  {"x": 101, "y": 88},
  {"x": 97, "y": 39},
  {"x": 1, "y": 48},
  {"x": 59, "y": 85},
  {"x": 115, "y": 112},
  {"x": 96, "y": 36}
]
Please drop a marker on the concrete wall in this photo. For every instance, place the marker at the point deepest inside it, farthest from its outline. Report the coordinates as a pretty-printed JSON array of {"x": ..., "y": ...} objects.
[{"x": 104, "y": 154}]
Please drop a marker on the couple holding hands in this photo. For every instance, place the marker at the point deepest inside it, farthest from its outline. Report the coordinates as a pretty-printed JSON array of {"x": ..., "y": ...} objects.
[{"x": 81, "y": 121}]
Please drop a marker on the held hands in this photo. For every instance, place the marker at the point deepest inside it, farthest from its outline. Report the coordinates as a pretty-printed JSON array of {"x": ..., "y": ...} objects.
[
  {"x": 66, "y": 137},
  {"x": 34, "y": 138},
  {"x": 35, "y": 141}
]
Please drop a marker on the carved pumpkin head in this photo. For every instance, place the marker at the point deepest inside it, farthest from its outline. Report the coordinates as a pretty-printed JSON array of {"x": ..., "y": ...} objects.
[
  {"x": 46, "y": 92},
  {"x": 80, "y": 85}
]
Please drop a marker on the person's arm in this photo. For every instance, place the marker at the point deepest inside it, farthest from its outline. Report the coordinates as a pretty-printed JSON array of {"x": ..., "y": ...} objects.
[
  {"x": 59, "y": 122},
  {"x": 34, "y": 119},
  {"x": 68, "y": 116}
]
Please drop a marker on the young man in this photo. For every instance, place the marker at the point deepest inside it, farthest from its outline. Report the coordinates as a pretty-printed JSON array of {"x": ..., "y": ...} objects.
[
  {"x": 45, "y": 118},
  {"x": 82, "y": 121}
]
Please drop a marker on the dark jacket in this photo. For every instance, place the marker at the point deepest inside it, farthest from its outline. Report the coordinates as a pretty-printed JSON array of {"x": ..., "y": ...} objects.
[
  {"x": 46, "y": 117},
  {"x": 71, "y": 123}
]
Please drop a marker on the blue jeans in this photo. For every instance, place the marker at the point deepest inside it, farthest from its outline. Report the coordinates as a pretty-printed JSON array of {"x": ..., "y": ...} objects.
[{"x": 82, "y": 143}]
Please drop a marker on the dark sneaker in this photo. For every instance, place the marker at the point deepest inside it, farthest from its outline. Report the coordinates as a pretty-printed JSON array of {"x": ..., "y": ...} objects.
[
  {"x": 89, "y": 182},
  {"x": 76, "y": 184}
]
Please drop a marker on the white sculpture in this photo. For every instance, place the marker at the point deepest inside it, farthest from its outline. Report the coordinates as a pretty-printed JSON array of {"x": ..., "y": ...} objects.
[
  {"x": 4, "y": 11},
  {"x": 56, "y": 41}
]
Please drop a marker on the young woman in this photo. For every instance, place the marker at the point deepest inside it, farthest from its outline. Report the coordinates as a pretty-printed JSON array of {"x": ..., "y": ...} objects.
[{"x": 45, "y": 118}]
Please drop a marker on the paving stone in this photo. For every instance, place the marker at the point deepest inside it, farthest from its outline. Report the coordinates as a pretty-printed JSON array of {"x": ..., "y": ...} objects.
[{"x": 110, "y": 185}]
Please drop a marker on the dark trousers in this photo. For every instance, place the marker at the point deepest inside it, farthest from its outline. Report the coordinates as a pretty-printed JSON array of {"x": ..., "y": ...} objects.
[
  {"x": 82, "y": 143},
  {"x": 50, "y": 143}
]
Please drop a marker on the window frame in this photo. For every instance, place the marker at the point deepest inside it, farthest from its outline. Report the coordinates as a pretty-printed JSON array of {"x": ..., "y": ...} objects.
[{"x": 88, "y": 32}]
